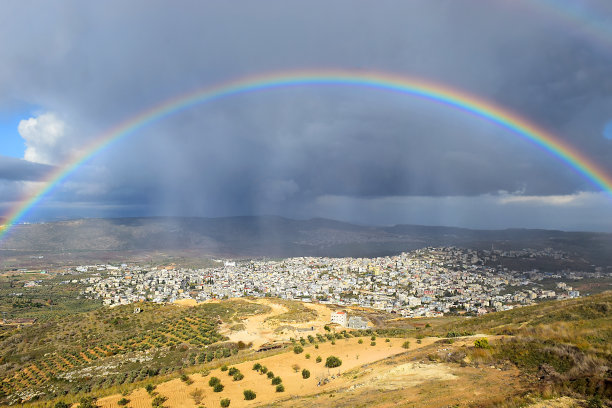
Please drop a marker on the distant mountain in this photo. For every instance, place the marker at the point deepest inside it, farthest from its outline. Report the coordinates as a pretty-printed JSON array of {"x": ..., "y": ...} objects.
[{"x": 279, "y": 237}]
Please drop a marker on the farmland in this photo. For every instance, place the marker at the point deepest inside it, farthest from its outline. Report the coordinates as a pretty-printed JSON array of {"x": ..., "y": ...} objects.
[
  {"x": 106, "y": 347},
  {"x": 206, "y": 353}
]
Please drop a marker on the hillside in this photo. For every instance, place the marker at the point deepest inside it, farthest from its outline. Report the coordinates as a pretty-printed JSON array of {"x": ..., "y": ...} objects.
[
  {"x": 282, "y": 237},
  {"x": 557, "y": 351}
]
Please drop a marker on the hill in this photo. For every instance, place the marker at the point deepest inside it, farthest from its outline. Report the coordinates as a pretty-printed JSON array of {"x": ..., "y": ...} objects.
[
  {"x": 557, "y": 351},
  {"x": 281, "y": 237}
]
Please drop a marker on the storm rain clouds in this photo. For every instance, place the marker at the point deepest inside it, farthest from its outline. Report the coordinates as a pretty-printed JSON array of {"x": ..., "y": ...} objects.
[{"x": 348, "y": 153}]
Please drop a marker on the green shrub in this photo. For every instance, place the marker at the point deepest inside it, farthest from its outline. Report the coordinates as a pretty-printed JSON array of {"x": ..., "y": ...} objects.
[
  {"x": 218, "y": 387},
  {"x": 249, "y": 395},
  {"x": 61, "y": 404},
  {"x": 372, "y": 343},
  {"x": 307, "y": 356},
  {"x": 225, "y": 402},
  {"x": 333, "y": 361},
  {"x": 305, "y": 374},
  {"x": 158, "y": 401},
  {"x": 214, "y": 381},
  {"x": 482, "y": 343},
  {"x": 406, "y": 344},
  {"x": 224, "y": 367},
  {"x": 256, "y": 367},
  {"x": 88, "y": 402},
  {"x": 238, "y": 376},
  {"x": 318, "y": 360},
  {"x": 298, "y": 349},
  {"x": 360, "y": 341},
  {"x": 280, "y": 388},
  {"x": 276, "y": 380},
  {"x": 123, "y": 401},
  {"x": 270, "y": 374}
]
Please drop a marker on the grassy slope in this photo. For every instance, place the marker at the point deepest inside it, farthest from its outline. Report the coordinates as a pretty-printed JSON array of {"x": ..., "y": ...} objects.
[
  {"x": 562, "y": 347},
  {"x": 38, "y": 358}
]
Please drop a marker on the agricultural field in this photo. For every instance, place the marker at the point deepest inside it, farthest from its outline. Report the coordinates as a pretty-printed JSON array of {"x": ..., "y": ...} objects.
[
  {"x": 107, "y": 347},
  {"x": 554, "y": 353},
  {"x": 50, "y": 295}
]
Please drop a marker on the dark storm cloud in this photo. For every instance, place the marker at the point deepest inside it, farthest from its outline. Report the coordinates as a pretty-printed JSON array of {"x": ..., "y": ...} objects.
[
  {"x": 21, "y": 170},
  {"x": 95, "y": 64}
]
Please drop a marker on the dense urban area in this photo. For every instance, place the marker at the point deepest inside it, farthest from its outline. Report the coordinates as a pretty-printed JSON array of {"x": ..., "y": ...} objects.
[{"x": 426, "y": 282}]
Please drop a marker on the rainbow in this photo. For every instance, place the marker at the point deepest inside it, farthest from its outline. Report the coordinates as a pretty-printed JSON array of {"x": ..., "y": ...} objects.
[
  {"x": 411, "y": 86},
  {"x": 589, "y": 21}
]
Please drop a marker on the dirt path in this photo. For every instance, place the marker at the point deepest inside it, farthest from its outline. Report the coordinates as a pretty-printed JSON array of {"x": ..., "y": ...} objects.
[{"x": 256, "y": 329}]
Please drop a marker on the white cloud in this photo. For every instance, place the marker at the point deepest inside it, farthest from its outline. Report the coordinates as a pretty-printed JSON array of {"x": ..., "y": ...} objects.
[{"x": 43, "y": 135}]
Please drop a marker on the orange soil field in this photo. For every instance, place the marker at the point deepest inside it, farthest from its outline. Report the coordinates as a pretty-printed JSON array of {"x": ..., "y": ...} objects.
[{"x": 351, "y": 353}]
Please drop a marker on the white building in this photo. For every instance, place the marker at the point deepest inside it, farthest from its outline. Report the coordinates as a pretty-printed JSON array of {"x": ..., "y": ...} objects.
[{"x": 339, "y": 318}]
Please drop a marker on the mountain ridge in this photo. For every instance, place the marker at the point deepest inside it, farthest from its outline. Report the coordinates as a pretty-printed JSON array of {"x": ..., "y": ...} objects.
[{"x": 281, "y": 237}]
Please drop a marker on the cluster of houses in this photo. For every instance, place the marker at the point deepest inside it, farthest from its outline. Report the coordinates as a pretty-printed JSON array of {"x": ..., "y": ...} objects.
[
  {"x": 425, "y": 282},
  {"x": 342, "y": 318}
]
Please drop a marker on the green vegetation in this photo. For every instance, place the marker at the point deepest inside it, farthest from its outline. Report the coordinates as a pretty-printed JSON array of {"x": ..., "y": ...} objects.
[
  {"x": 249, "y": 395},
  {"x": 318, "y": 359},
  {"x": 562, "y": 346},
  {"x": 333, "y": 361},
  {"x": 88, "y": 402},
  {"x": 482, "y": 343},
  {"x": 406, "y": 344},
  {"x": 305, "y": 374},
  {"x": 225, "y": 402},
  {"x": 157, "y": 402},
  {"x": 298, "y": 349},
  {"x": 214, "y": 381},
  {"x": 276, "y": 380},
  {"x": 37, "y": 357},
  {"x": 280, "y": 388}
]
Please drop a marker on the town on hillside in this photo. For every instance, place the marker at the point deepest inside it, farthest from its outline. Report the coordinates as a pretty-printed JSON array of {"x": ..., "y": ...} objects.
[{"x": 424, "y": 283}]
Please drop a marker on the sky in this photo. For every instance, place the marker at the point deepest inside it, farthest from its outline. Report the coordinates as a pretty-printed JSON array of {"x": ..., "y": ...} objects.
[{"x": 71, "y": 70}]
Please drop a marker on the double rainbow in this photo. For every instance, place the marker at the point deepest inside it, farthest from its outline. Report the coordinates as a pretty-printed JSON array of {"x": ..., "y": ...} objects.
[{"x": 410, "y": 86}]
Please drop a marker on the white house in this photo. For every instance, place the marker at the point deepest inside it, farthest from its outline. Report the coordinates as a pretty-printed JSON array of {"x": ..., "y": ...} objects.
[{"x": 340, "y": 318}]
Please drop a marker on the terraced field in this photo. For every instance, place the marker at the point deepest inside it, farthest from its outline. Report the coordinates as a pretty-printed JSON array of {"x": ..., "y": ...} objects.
[{"x": 103, "y": 348}]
